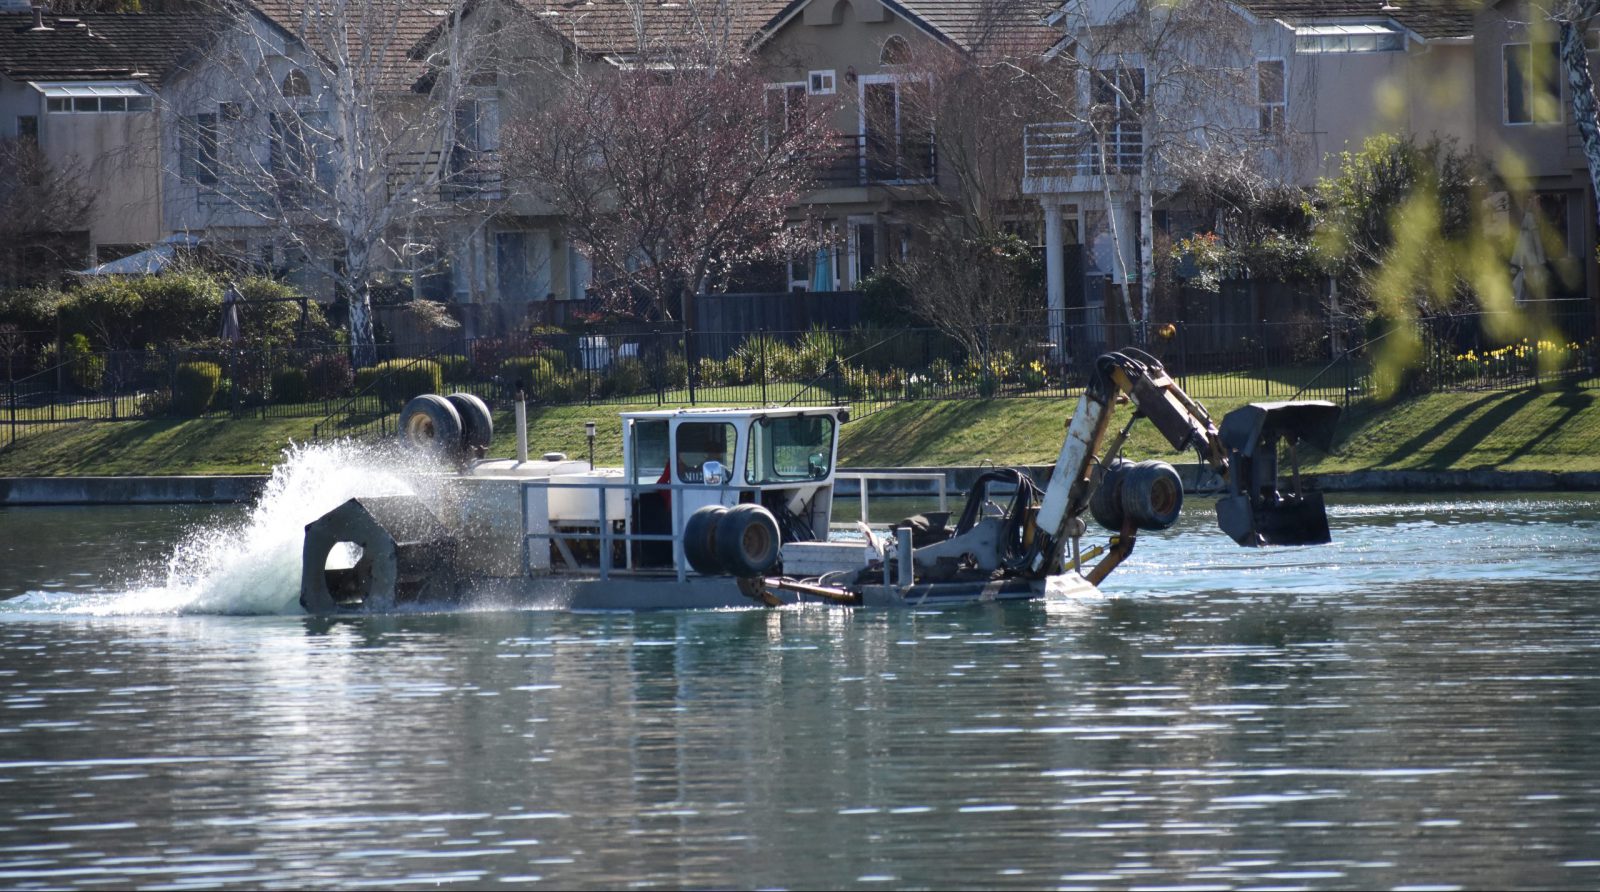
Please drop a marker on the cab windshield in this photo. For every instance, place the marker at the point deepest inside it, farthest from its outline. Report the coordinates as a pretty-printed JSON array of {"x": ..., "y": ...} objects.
[{"x": 790, "y": 448}]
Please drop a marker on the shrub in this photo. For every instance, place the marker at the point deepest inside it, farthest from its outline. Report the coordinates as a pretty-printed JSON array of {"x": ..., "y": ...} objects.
[
  {"x": 328, "y": 375},
  {"x": 397, "y": 380},
  {"x": 556, "y": 357},
  {"x": 85, "y": 370},
  {"x": 454, "y": 367},
  {"x": 290, "y": 386},
  {"x": 674, "y": 370},
  {"x": 535, "y": 372},
  {"x": 626, "y": 376},
  {"x": 194, "y": 386}
]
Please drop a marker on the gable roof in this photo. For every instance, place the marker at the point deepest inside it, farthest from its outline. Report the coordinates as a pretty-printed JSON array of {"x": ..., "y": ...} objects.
[
  {"x": 996, "y": 27},
  {"x": 99, "y": 46},
  {"x": 394, "y": 32},
  {"x": 1429, "y": 19},
  {"x": 630, "y": 29}
]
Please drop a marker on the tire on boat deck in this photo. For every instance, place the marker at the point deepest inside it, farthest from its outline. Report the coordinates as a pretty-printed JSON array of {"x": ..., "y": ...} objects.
[
  {"x": 748, "y": 540},
  {"x": 700, "y": 535},
  {"x": 477, "y": 423},
  {"x": 430, "y": 423}
]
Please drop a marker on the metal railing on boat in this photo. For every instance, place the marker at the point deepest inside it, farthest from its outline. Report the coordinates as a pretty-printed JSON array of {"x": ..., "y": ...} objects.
[{"x": 607, "y": 537}]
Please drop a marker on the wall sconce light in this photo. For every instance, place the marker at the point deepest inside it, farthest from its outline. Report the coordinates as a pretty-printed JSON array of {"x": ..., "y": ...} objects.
[{"x": 850, "y": 74}]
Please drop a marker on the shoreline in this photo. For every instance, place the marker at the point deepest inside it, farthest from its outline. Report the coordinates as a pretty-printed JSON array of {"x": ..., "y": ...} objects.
[{"x": 19, "y": 492}]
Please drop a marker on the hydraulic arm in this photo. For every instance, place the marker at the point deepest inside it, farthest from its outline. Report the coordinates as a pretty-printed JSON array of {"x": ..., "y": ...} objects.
[{"x": 1242, "y": 452}]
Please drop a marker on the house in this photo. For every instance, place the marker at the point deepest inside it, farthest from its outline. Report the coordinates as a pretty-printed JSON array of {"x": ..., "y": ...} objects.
[
  {"x": 1524, "y": 127},
  {"x": 1310, "y": 80},
  {"x": 868, "y": 63},
  {"x": 1284, "y": 85},
  {"x": 85, "y": 89},
  {"x": 297, "y": 142}
]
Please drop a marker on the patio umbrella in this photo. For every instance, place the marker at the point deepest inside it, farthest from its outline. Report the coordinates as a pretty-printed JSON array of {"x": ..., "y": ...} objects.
[
  {"x": 822, "y": 279},
  {"x": 230, "y": 314},
  {"x": 1528, "y": 277}
]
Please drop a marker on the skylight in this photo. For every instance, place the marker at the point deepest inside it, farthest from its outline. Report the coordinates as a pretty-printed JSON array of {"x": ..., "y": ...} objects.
[{"x": 1357, "y": 37}]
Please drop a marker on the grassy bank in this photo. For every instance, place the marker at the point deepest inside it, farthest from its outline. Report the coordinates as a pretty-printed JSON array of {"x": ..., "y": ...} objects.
[{"x": 1554, "y": 430}]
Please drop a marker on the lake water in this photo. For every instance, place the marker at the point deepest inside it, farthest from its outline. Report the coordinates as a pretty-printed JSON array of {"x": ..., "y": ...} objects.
[{"x": 1415, "y": 706}]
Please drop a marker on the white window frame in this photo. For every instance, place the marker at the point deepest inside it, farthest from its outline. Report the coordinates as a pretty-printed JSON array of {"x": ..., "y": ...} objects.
[
  {"x": 133, "y": 97},
  {"x": 822, "y": 83},
  {"x": 1338, "y": 38},
  {"x": 861, "y": 114},
  {"x": 782, "y": 88},
  {"x": 1505, "y": 90},
  {"x": 1281, "y": 105}
]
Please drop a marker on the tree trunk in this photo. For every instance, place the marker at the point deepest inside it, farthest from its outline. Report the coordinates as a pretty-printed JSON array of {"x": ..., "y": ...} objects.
[
  {"x": 1575, "y": 59},
  {"x": 363, "y": 344},
  {"x": 1147, "y": 258}
]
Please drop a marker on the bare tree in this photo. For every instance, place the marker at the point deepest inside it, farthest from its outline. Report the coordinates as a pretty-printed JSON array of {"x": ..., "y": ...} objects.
[
  {"x": 968, "y": 270},
  {"x": 1160, "y": 85},
  {"x": 353, "y": 141},
  {"x": 670, "y": 172},
  {"x": 41, "y": 203},
  {"x": 1573, "y": 18}
]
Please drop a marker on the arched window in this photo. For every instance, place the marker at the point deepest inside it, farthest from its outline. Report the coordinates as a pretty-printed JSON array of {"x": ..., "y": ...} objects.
[
  {"x": 295, "y": 83},
  {"x": 895, "y": 51}
]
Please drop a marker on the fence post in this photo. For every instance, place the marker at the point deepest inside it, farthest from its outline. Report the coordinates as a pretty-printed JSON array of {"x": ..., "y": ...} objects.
[
  {"x": 688, "y": 359},
  {"x": 1183, "y": 355},
  {"x": 763, "y": 354},
  {"x": 1266, "y": 372},
  {"x": 11, "y": 388}
]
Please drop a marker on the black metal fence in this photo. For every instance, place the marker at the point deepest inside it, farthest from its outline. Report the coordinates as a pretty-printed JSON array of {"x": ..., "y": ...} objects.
[{"x": 864, "y": 367}]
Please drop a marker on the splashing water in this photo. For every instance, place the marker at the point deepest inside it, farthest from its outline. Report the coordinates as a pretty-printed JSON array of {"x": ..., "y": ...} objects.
[{"x": 253, "y": 566}]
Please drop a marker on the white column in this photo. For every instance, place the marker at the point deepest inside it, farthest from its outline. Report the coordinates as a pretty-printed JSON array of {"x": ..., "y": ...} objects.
[{"x": 1055, "y": 274}]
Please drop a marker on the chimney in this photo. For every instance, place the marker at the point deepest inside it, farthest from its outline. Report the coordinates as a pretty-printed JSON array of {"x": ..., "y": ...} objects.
[{"x": 38, "y": 18}]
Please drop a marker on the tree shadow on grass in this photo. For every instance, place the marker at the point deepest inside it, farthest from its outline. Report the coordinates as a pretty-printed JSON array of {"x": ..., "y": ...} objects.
[
  {"x": 1503, "y": 407},
  {"x": 1573, "y": 402}
]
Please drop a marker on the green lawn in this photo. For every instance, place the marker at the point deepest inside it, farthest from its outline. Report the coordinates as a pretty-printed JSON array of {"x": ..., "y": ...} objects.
[{"x": 1516, "y": 430}]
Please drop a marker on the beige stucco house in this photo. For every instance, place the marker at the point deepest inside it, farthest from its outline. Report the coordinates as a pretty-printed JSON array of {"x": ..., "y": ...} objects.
[{"x": 85, "y": 88}]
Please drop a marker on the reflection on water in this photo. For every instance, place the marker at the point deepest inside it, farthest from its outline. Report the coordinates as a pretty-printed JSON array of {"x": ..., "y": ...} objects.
[{"x": 1415, "y": 705}]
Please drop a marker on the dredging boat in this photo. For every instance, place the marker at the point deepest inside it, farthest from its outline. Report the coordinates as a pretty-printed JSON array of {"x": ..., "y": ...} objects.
[{"x": 718, "y": 508}]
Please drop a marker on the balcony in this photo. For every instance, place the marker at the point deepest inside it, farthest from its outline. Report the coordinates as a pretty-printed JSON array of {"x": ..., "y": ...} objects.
[
  {"x": 857, "y": 160},
  {"x": 463, "y": 175},
  {"x": 1070, "y": 157}
]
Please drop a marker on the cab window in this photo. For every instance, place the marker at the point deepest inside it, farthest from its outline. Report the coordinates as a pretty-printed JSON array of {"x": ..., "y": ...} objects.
[
  {"x": 649, "y": 450},
  {"x": 700, "y": 442},
  {"x": 791, "y": 448}
]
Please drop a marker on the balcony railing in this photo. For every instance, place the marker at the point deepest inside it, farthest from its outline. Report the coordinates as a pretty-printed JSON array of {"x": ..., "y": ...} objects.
[
  {"x": 463, "y": 174},
  {"x": 1060, "y": 151},
  {"x": 869, "y": 160}
]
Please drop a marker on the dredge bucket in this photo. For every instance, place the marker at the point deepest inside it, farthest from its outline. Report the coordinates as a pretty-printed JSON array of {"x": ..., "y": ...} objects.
[{"x": 1258, "y": 510}]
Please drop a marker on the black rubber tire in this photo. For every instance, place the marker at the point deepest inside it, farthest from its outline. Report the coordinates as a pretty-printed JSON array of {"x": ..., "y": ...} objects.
[
  {"x": 431, "y": 424},
  {"x": 1105, "y": 502},
  {"x": 700, "y": 540},
  {"x": 748, "y": 540},
  {"x": 1152, "y": 495},
  {"x": 477, "y": 424}
]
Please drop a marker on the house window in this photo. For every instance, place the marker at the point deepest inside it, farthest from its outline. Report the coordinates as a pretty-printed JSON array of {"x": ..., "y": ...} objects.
[
  {"x": 199, "y": 138},
  {"x": 1373, "y": 37},
  {"x": 896, "y": 51},
  {"x": 897, "y": 130},
  {"x": 295, "y": 83},
  {"x": 82, "y": 98},
  {"x": 786, "y": 110},
  {"x": 1121, "y": 92},
  {"x": 1272, "y": 95},
  {"x": 821, "y": 83},
  {"x": 1533, "y": 83}
]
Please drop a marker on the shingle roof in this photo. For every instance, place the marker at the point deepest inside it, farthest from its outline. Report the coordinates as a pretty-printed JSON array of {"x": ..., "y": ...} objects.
[
  {"x": 634, "y": 28},
  {"x": 138, "y": 46},
  {"x": 994, "y": 26},
  {"x": 1431, "y": 19},
  {"x": 393, "y": 31}
]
